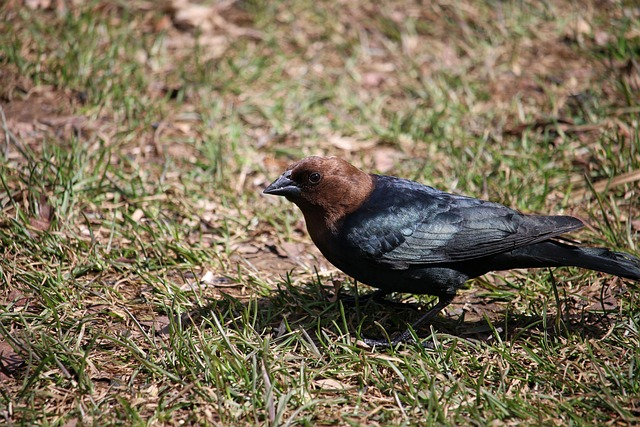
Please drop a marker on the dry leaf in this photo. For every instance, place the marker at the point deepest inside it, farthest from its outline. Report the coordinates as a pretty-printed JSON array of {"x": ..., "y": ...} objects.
[
  {"x": 10, "y": 360},
  {"x": 384, "y": 159},
  {"x": 601, "y": 38},
  {"x": 158, "y": 323},
  {"x": 16, "y": 297},
  {"x": 608, "y": 303},
  {"x": 188, "y": 16},
  {"x": 330, "y": 384},
  {"x": 43, "y": 221},
  {"x": 349, "y": 144},
  {"x": 208, "y": 279},
  {"x": 37, "y": 4},
  {"x": 601, "y": 186},
  {"x": 293, "y": 250},
  {"x": 71, "y": 423},
  {"x": 373, "y": 79},
  {"x": 245, "y": 248},
  {"x": 343, "y": 142},
  {"x": 137, "y": 215}
]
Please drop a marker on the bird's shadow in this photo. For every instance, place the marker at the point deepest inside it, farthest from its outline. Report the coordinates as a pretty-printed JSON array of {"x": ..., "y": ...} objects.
[{"x": 310, "y": 309}]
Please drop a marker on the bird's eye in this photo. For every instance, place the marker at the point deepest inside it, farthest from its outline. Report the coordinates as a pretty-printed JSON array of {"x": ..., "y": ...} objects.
[{"x": 315, "y": 178}]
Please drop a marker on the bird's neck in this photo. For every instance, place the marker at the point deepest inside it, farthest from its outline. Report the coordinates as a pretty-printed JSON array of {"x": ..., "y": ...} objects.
[
  {"x": 324, "y": 231},
  {"x": 322, "y": 221}
]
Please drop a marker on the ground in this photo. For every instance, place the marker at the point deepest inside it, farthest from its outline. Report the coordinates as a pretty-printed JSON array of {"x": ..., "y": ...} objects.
[{"x": 145, "y": 280}]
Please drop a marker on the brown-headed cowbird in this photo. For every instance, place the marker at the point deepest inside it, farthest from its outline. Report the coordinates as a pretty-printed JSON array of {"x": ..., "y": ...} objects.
[{"x": 401, "y": 236}]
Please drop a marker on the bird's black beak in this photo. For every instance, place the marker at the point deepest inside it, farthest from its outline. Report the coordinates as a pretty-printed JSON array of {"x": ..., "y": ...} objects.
[{"x": 283, "y": 186}]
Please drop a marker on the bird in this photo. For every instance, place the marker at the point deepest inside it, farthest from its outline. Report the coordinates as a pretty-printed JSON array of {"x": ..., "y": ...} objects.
[{"x": 402, "y": 236}]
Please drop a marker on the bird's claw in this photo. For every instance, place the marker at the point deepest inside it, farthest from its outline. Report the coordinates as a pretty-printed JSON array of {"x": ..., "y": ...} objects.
[{"x": 403, "y": 338}]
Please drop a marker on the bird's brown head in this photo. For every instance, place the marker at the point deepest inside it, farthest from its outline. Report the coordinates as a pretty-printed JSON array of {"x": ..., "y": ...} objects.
[{"x": 325, "y": 188}]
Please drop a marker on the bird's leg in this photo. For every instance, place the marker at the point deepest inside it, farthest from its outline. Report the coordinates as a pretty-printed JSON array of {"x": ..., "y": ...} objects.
[{"x": 443, "y": 301}]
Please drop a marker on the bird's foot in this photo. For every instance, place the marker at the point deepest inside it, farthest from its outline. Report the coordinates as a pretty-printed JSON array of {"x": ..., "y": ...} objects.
[
  {"x": 404, "y": 338},
  {"x": 407, "y": 336}
]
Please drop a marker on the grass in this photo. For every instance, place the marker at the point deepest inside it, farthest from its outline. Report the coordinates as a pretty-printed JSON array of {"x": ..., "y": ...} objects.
[{"x": 144, "y": 279}]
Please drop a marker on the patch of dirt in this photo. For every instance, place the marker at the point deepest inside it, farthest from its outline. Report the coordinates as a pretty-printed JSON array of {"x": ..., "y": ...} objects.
[
  {"x": 272, "y": 261},
  {"x": 32, "y": 113}
]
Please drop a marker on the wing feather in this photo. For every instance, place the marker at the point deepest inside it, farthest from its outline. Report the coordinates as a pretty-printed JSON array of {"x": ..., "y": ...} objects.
[{"x": 406, "y": 223}]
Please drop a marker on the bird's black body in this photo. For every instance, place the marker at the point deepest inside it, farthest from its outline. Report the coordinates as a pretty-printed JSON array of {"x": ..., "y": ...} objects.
[
  {"x": 401, "y": 236},
  {"x": 412, "y": 238}
]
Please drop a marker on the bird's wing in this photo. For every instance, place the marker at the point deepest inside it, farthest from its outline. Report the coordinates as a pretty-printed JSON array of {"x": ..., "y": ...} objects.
[{"x": 406, "y": 223}]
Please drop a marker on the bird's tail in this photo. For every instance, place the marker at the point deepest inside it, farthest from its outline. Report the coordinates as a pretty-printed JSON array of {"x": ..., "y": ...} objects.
[{"x": 552, "y": 253}]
